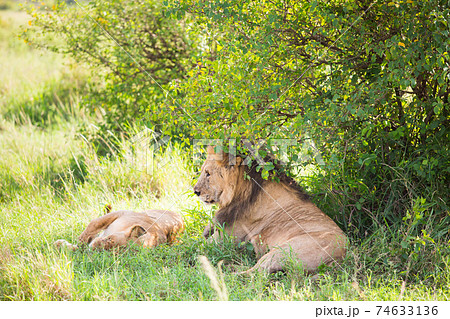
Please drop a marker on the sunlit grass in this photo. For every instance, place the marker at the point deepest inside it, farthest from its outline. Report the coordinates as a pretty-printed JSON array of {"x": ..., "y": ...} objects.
[{"x": 35, "y": 86}]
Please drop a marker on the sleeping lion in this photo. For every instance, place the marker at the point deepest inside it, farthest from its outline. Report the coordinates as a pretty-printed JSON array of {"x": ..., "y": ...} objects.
[
  {"x": 278, "y": 219},
  {"x": 149, "y": 228}
]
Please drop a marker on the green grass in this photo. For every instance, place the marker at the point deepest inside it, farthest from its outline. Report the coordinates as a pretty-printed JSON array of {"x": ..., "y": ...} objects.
[
  {"x": 52, "y": 183},
  {"x": 39, "y": 87}
]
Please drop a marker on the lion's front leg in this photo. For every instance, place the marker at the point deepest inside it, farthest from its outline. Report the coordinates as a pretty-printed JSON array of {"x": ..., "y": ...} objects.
[{"x": 209, "y": 230}]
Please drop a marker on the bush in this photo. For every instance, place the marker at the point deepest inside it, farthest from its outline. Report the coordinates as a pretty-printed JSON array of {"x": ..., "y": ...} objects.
[
  {"x": 6, "y": 4},
  {"x": 131, "y": 46},
  {"x": 369, "y": 81}
]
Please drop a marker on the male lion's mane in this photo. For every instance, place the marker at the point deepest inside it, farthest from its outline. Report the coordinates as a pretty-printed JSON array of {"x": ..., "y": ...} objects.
[{"x": 247, "y": 194}]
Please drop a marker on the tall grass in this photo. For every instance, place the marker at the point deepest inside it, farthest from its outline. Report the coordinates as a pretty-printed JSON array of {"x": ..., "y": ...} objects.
[{"x": 40, "y": 87}]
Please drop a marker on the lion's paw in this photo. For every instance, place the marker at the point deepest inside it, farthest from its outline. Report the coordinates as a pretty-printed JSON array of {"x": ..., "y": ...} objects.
[
  {"x": 85, "y": 238},
  {"x": 61, "y": 243}
]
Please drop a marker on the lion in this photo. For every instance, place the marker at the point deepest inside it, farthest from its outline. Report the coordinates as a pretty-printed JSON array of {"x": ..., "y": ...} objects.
[
  {"x": 148, "y": 228},
  {"x": 277, "y": 218}
]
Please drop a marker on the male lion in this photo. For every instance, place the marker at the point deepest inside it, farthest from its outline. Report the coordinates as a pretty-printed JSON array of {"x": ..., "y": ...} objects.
[
  {"x": 278, "y": 219},
  {"x": 149, "y": 228}
]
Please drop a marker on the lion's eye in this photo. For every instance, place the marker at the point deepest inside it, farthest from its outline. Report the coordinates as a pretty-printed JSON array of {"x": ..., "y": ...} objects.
[{"x": 207, "y": 174}]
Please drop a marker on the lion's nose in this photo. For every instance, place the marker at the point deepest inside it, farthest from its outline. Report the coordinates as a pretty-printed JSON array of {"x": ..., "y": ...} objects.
[{"x": 196, "y": 192}]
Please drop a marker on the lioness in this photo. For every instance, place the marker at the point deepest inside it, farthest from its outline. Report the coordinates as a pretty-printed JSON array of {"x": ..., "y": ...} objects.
[
  {"x": 278, "y": 219},
  {"x": 149, "y": 228}
]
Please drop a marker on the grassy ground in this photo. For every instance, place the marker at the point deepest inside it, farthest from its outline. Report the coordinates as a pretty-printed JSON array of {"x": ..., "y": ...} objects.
[{"x": 52, "y": 184}]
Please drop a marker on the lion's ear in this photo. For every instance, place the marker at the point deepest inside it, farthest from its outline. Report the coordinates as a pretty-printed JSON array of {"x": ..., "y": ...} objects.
[
  {"x": 210, "y": 149},
  {"x": 137, "y": 231},
  {"x": 231, "y": 160},
  {"x": 216, "y": 156}
]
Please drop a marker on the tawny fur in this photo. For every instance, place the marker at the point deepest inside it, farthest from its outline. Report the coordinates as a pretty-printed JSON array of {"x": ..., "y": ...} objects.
[
  {"x": 278, "y": 219},
  {"x": 149, "y": 228}
]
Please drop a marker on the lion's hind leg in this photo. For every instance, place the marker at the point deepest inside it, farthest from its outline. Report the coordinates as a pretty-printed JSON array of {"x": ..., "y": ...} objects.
[
  {"x": 98, "y": 225},
  {"x": 317, "y": 248},
  {"x": 311, "y": 250},
  {"x": 269, "y": 263}
]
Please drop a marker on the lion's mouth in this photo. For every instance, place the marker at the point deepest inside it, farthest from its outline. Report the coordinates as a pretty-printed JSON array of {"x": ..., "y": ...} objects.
[{"x": 209, "y": 199}]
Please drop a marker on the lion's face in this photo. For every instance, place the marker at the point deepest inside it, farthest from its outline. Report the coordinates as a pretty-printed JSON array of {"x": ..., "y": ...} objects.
[
  {"x": 109, "y": 242},
  {"x": 217, "y": 180}
]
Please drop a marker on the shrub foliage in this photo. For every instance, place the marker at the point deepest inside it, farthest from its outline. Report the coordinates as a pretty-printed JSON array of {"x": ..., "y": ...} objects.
[
  {"x": 368, "y": 80},
  {"x": 133, "y": 49}
]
